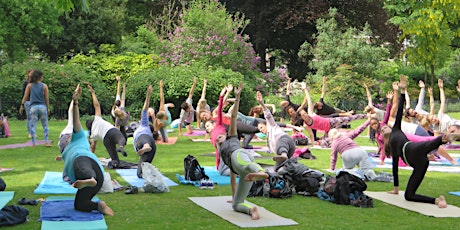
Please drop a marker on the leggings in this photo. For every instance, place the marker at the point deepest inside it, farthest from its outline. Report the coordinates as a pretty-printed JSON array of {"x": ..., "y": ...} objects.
[
  {"x": 414, "y": 154},
  {"x": 243, "y": 164},
  {"x": 337, "y": 122},
  {"x": 147, "y": 156},
  {"x": 248, "y": 131},
  {"x": 111, "y": 139},
  {"x": 87, "y": 168}
]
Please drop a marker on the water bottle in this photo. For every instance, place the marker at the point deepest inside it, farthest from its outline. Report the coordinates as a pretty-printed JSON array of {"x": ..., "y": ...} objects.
[{"x": 266, "y": 188}]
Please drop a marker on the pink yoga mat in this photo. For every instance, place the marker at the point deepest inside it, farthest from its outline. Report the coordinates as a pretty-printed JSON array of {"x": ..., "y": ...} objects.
[
  {"x": 195, "y": 133},
  {"x": 22, "y": 145}
]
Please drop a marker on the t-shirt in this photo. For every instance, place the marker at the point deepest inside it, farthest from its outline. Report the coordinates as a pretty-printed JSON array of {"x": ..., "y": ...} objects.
[
  {"x": 326, "y": 109},
  {"x": 78, "y": 146},
  {"x": 143, "y": 128},
  {"x": 227, "y": 148},
  {"x": 100, "y": 128},
  {"x": 187, "y": 117}
]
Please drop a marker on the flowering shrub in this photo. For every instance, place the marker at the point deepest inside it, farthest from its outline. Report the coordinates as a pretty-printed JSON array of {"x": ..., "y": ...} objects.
[{"x": 209, "y": 35}]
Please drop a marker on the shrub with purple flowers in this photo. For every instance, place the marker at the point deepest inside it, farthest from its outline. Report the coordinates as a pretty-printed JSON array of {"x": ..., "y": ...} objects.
[{"x": 207, "y": 34}]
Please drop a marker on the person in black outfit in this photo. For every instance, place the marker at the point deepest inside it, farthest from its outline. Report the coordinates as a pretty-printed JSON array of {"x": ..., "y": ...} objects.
[{"x": 413, "y": 154}]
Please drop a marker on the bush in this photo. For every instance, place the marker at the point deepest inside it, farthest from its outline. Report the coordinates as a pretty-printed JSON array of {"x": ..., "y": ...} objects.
[{"x": 61, "y": 80}]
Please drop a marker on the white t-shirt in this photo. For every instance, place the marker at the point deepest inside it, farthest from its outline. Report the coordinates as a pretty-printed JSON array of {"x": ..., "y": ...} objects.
[{"x": 99, "y": 128}]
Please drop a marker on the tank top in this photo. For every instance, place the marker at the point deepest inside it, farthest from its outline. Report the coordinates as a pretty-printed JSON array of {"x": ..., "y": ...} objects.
[{"x": 37, "y": 96}]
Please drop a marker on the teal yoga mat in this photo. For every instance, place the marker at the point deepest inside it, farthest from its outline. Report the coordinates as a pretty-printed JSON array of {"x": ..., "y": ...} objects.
[
  {"x": 72, "y": 225},
  {"x": 52, "y": 183},
  {"x": 5, "y": 197}
]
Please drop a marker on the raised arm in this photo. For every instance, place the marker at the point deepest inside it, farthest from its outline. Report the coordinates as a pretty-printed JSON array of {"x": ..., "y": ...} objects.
[
  {"x": 430, "y": 92},
  {"x": 162, "y": 96},
  {"x": 237, "y": 91},
  {"x": 458, "y": 86},
  {"x": 117, "y": 97},
  {"x": 203, "y": 91},
  {"x": 268, "y": 116},
  {"x": 123, "y": 96},
  {"x": 97, "y": 106},
  {"x": 407, "y": 99},
  {"x": 323, "y": 89},
  {"x": 147, "y": 98},
  {"x": 421, "y": 96},
  {"x": 288, "y": 87},
  {"x": 369, "y": 96},
  {"x": 442, "y": 96},
  {"x": 76, "y": 111},
  {"x": 395, "y": 99},
  {"x": 307, "y": 99},
  {"x": 192, "y": 89}
]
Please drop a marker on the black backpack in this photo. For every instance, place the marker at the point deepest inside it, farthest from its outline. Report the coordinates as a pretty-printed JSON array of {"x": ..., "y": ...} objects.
[
  {"x": 347, "y": 184},
  {"x": 192, "y": 169}
]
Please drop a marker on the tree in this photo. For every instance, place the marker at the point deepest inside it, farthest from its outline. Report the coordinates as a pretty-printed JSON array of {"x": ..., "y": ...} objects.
[
  {"x": 23, "y": 24},
  {"x": 430, "y": 27},
  {"x": 334, "y": 48}
]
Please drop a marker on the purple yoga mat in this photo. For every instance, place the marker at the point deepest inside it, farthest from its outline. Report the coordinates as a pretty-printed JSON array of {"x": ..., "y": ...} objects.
[
  {"x": 22, "y": 145},
  {"x": 196, "y": 133}
]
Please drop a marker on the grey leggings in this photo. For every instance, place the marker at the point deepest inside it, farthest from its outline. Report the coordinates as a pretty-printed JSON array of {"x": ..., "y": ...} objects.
[{"x": 243, "y": 164}]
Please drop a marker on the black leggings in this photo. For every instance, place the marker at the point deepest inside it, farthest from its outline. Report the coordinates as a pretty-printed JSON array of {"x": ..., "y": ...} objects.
[
  {"x": 147, "y": 156},
  {"x": 87, "y": 168},
  {"x": 414, "y": 154},
  {"x": 248, "y": 131},
  {"x": 113, "y": 138}
]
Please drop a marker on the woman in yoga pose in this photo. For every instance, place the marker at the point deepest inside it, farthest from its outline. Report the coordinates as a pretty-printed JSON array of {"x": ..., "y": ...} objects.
[{"x": 413, "y": 154}]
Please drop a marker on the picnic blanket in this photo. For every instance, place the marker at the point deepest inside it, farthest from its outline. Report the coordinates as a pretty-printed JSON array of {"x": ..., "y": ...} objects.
[
  {"x": 52, "y": 183},
  {"x": 423, "y": 208},
  {"x": 58, "y": 212},
  {"x": 130, "y": 176},
  {"x": 219, "y": 206}
]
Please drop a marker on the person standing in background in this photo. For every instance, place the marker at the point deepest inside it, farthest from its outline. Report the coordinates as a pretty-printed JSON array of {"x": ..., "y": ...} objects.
[{"x": 37, "y": 93}]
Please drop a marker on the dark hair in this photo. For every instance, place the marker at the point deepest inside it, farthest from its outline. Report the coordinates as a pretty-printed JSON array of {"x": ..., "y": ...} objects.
[
  {"x": 387, "y": 146},
  {"x": 372, "y": 132},
  {"x": 117, "y": 103},
  {"x": 35, "y": 76},
  {"x": 184, "y": 105},
  {"x": 89, "y": 124}
]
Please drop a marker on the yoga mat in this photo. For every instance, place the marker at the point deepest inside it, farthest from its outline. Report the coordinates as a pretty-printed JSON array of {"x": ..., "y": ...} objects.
[
  {"x": 208, "y": 140},
  {"x": 130, "y": 176},
  {"x": 5, "y": 169},
  {"x": 455, "y": 193},
  {"x": 171, "y": 141},
  {"x": 22, "y": 145},
  {"x": 219, "y": 206},
  {"x": 196, "y": 133},
  {"x": 422, "y": 208},
  {"x": 5, "y": 197},
  {"x": 71, "y": 225},
  {"x": 368, "y": 148},
  {"x": 214, "y": 175},
  {"x": 52, "y": 183},
  {"x": 442, "y": 162},
  {"x": 432, "y": 168}
]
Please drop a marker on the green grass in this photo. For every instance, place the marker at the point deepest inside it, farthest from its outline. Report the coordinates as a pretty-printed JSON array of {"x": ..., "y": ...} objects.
[{"x": 173, "y": 210}]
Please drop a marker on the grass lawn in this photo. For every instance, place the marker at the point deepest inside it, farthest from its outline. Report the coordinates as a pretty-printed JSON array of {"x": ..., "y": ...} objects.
[{"x": 173, "y": 210}]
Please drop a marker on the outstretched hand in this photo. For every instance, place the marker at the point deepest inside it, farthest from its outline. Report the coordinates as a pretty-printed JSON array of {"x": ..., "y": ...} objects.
[
  {"x": 259, "y": 97},
  {"x": 440, "y": 83},
  {"x": 238, "y": 89},
  {"x": 395, "y": 85},
  {"x": 149, "y": 89},
  {"x": 390, "y": 95},
  {"x": 77, "y": 93},
  {"x": 90, "y": 88},
  {"x": 161, "y": 83},
  {"x": 402, "y": 82}
]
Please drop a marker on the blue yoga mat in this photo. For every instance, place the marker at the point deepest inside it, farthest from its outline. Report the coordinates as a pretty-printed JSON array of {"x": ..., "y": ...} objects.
[
  {"x": 64, "y": 205},
  {"x": 130, "y": 176},
  {"x": 52, "y": 183},
  {"x": 215, "y": 176},
  {"x": 455, "y": 193},
  {"x": 5, "y": 197}
]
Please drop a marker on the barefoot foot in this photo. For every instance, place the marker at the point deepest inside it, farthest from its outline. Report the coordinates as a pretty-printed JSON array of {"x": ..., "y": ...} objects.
[
  {"x": 84, "y": 183},
  {"x": 255, "y": 176},
  {"x": 105, "y": 209},
  {"x": 441, "y": 202},
  {"x": 254, "y": 212},
  {"x": 145, "y": 148}
]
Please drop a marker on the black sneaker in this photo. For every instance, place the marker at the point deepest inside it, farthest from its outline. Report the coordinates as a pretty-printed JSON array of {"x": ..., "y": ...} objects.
[{"x": 131, "y": 190}]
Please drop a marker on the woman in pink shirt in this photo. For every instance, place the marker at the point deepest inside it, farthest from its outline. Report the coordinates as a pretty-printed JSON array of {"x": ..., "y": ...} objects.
[{"x": 352, "y": 154}]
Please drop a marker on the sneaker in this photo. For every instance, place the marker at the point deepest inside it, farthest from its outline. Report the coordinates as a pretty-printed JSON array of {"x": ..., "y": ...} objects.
[
  {"x": 210, "y": 184},
  {"x": 203, "y": 184}
]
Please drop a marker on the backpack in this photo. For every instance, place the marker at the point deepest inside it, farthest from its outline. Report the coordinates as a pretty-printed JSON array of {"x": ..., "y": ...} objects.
[
  {"x": 347, "y": 184},
  {"x": 301, "y": 179},
  {"x": 329, "y": 185},
  {"x": 279, "y": 188},
  {"x": 299, "y": 139},
  {"x": 192, "y": 169}
]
